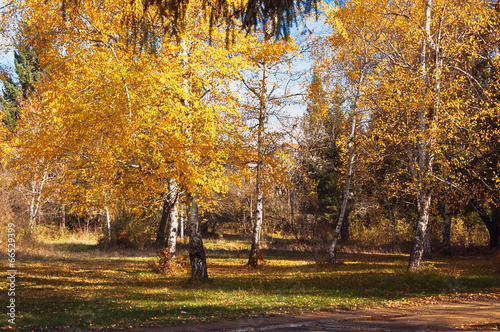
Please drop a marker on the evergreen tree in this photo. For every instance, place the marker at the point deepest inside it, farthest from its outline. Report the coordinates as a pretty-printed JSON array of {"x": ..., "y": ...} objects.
[
  {"x": 9, "y": 102},
  {"x": 17, "y": 89},
  {"x": 323, "y": 128}
]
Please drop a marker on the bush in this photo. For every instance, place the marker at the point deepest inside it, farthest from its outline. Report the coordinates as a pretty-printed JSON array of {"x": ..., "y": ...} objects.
[
  {"x": 129, "y": 231},
  {"x": 166, "y": 262}
]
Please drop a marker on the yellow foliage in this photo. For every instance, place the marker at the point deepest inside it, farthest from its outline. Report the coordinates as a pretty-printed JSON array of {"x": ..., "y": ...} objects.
[
  {"x": 114, "y": 122},
  {"x": 416, "y": 75}
]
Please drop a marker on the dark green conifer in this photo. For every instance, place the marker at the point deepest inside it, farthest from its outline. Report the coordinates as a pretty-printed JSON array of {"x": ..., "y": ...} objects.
[{"x": 17, "y": 89}]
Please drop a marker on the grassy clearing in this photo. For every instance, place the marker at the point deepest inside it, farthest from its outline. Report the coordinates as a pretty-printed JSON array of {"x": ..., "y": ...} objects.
[{"x": 74, "y": 286}]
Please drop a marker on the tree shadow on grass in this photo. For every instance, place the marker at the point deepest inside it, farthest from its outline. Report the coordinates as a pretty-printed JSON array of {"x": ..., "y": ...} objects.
[
  {"x": 117, "y": 302},
  {"x": 74, "y": 247},
  {"x": 82, "y": 293}
]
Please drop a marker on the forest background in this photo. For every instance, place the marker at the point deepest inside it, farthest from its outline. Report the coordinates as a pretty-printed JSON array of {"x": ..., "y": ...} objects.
[
  {"x": 133, "y": 127},
  {"x": 118, "y": 133},
  {"x": 164, "y": 131}
]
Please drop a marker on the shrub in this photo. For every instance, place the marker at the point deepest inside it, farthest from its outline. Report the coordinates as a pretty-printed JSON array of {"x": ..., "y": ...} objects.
[
  {"x": 166, "y": 262},
  {"x": 130, "y": 231}
]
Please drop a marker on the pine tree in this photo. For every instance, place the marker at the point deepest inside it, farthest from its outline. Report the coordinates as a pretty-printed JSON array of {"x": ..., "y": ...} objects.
[
  {"x": 16, "y": 90},
  {"x": 9, "y": 102},
  {"x": 151, "y": 20},
  {"x": 323, "y": 128}
]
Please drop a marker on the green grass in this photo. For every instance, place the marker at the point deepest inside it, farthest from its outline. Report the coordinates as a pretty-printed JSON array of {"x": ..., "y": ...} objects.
[{"x": 84, "y": 288}]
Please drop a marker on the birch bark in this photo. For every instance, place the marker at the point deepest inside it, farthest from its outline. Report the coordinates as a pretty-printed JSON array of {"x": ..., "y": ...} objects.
[
  {"x": 350, "y": 163},
  {"x": 425, "y": 146},
  {"x": 35, "y": 202},
  {"x": 253, "y": 260},
  {"x": 173, "y": 220}
]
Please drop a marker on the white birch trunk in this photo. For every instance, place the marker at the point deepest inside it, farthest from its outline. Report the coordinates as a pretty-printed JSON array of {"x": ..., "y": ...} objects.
[
  {"x": 173, "y": 223},
  {"x": 253, "y": 259},
  {"x": 108, "y": 223},
  {"x": 350, "y": 164},
  {"x": 35, "y": 202},
  {"x": 422, "y": 223},
  {"x": 425, "y": 153}
]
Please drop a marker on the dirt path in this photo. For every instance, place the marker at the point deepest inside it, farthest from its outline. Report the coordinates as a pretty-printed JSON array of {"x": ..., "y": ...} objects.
[{"x": 458, "y": 315}]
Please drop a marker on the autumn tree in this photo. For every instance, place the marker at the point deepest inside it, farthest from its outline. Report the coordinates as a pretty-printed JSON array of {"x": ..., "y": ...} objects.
[
  {"x": 345, "y": 65},
  {"x": 263, "y": 103},
  {"x": 18, "y": 92},
  {"x": 173, "y": 117},
  {"x": 472, "y": 173},
  {"x": 416, "y": 98}
]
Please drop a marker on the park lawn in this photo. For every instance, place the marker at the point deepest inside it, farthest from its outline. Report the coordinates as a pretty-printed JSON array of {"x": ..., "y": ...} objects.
[{"x": 86, "y": 289}]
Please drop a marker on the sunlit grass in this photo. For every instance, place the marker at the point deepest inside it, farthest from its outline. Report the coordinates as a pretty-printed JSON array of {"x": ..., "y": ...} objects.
[{"x": 86, "y": 288}]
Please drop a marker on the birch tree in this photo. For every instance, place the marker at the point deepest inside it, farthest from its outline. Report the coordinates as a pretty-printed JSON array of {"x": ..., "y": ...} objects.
[
  {"x": 197, "y": 254},
  {"x": 263, "y": 103},
  {"x": 345, "y": 61},
  {"x": 122, "y": 121},
  {"x": 416, "y": 100}
]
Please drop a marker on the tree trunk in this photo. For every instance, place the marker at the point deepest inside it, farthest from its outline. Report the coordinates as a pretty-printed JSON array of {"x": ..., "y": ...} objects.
[
  {"x": 253, "y": 260},
  {"x": 160, "y": 234},
  {"x": 181, "y": 224},
  {"x": 108, "y": 223},
  {"x": 169, "y": 220},
  {"x": 492, "y": 224},
  {"x": 495, "y": 235},
  {"x": 196, "y": 251},
  {"x": 344, "y": 231},
  {"x": 447, "y": 230},
  {"x": 35, "y": 202},
  {"x": 62, "y": 225},
  {"x": 173, "y": 226},
  {"x": 495, "y": 239},
  {"x": 173, "y": 223},
  {"x": 425, "y": 151},
  {"x": 427, "y": 242},
  {"x": 493, "y": 230},
  {"x": 423, "y": 221},
  {"x": 332, "y": 252},
  {"x": 350, "y": 163}
]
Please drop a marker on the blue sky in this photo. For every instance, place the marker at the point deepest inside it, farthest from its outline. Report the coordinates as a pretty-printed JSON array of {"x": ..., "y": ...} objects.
[{"x": 7, "y": 60}]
